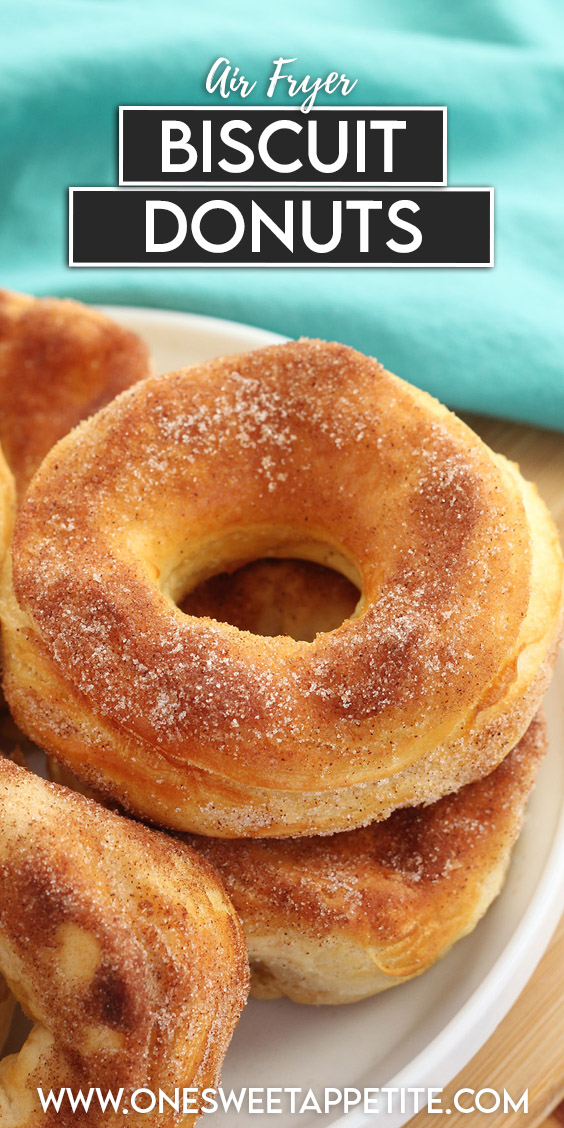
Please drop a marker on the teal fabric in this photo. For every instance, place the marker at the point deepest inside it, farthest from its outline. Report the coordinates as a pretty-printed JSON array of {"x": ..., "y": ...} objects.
[{"x": 488, "y": 340}]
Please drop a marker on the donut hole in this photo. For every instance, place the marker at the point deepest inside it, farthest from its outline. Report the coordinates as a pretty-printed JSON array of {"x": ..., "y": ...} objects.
[{"x": 276, "y": 596}]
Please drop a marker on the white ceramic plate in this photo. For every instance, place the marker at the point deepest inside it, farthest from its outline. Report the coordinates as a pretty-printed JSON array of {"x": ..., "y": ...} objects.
[{"x": 423, "y": 1033}]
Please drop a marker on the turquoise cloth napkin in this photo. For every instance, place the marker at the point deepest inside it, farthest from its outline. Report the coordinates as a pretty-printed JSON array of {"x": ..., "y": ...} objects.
[{"x": 488, "y": 340}]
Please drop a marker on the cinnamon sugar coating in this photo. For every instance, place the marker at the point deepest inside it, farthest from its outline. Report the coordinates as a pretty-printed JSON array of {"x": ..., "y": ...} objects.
[
  {"x": 333, "y": 920},
  {"x": 59, "y": 362},
  {"x": 308, "y": 450},
  {"x": 122, "y": 946}
]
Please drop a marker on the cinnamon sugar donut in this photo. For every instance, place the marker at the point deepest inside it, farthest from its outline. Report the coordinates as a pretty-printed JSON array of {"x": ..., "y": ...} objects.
[
  {"x": 124, "y": 949},
  {"x": 59, "y": 362},
  {"x": 307, "y": 450},
  {"x": 334, "y": 920}
]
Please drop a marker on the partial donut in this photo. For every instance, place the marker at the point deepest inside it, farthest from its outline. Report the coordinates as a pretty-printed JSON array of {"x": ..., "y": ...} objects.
[
  {"x": 306, "y": 450},
  {"x": 333, "y": 920},
  {"x": 121, "y": 945},
  {"x": 59, "y": 362}
]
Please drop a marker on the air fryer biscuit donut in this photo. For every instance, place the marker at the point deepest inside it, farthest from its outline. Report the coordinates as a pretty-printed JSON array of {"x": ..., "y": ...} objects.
[
  {"x": 333, "y": 920},
  {"x": 59, "y": 362},
  {"x": 308, "y": 450},
  {"x": 123, "y": 947}
]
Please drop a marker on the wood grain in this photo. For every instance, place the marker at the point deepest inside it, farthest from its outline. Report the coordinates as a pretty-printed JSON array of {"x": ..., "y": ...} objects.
[{"x": 527, "y": 1049}]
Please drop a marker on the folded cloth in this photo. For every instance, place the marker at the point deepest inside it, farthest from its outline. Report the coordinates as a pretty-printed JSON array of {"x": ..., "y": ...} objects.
[{"x": 490, "y": 340}]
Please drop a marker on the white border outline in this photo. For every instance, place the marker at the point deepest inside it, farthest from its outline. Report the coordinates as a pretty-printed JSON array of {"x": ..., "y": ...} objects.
[
  {"x": 284, "y": 265},
  {"x": 286, "y": 183}
]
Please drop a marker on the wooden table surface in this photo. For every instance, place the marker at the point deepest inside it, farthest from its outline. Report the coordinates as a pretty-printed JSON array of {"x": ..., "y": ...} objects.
[{"x": 527, "y": 1049}]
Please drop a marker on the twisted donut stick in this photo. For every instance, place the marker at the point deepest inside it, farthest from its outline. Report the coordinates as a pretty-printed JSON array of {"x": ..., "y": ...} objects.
[
  {"x": 308, "y": 450},
  {"x": 122, "y": 946}
]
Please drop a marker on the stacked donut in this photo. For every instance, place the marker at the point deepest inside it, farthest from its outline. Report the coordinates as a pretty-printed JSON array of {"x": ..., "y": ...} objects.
[{"x": 352, "y": 750}]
